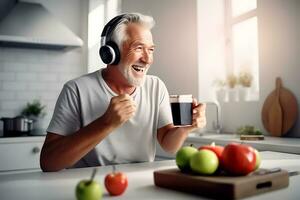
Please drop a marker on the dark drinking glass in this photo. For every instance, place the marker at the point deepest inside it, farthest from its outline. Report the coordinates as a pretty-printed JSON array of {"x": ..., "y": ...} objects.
[{"x": 181, "y": 106}]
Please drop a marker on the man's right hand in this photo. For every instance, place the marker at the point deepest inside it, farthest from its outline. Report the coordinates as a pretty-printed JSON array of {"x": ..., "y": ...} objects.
[{"x": 121, "y": 108}]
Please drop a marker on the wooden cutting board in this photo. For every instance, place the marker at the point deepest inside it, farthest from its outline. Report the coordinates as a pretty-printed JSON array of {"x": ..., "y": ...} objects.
[
  {"x": 221, "y": 187},
  {"x": 280, "y": 110}
]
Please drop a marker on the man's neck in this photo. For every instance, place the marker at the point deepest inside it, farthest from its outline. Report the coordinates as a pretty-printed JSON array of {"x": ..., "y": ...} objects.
[{"x": 116, "y": 82}]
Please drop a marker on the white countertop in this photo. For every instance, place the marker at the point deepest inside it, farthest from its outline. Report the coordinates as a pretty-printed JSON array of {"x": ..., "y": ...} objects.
[{"x": 61, "y": 185}]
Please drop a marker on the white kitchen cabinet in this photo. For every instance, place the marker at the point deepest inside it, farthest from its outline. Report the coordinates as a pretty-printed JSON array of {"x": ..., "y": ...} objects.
[{"x": 20, "y": 153}]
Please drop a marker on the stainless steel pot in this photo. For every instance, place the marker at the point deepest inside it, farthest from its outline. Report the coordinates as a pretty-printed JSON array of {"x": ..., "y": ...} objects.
[{"x": 16, "y": 126}]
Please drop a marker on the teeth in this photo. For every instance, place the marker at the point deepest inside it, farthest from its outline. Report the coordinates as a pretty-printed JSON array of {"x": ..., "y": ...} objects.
[{"x": 138, "y": 68}]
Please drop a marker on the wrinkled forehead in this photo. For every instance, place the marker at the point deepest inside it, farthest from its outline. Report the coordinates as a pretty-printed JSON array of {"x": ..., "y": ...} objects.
[{"x": 137, "y": 32}]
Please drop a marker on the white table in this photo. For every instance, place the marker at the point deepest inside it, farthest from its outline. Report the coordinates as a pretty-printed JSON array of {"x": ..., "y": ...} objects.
[{"x": 61, "y": 185}]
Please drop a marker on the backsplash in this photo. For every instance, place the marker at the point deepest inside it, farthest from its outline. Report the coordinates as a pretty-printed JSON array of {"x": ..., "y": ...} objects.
[{"x": 28, "y": 74}]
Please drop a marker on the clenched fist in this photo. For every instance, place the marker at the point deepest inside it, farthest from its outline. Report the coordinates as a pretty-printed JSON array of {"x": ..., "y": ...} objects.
[{"x": 121, "y": 108}]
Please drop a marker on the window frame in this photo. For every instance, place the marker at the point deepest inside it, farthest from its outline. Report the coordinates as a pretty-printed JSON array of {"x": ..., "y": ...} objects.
[{"x": 229, "y": 22}]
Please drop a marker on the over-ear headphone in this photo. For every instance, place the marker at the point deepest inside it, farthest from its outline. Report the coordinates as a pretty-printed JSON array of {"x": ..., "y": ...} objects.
[{"x": 109, "y": 50}]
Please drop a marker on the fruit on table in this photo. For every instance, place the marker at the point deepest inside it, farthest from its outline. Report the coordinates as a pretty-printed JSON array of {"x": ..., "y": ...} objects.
[
  {"x": 183, "y": 157},
  {"x": 238, "y": 159},
  {"x": 204, "y": 162},
  {"x": 116, "y": 183},
  {"x": 258, "y": 159},
  {"x": 88, "y": 189},
  {"x": 218, "y": 150}
]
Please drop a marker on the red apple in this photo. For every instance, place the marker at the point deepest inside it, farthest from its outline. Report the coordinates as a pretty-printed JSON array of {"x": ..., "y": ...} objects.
[
  {"x": 238, "y": 159},
  {"x": 116, "y": 183},
  {"x": 215, "y": 148}
]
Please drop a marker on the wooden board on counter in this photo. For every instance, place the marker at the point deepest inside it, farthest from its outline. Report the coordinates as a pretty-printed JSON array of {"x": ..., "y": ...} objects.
[
  {"x": 221, "y": 187},
  {"x": 280, "y": 110}
]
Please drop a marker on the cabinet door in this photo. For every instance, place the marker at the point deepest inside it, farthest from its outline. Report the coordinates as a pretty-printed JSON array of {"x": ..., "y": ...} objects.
[{"x": 18, "y": 156}]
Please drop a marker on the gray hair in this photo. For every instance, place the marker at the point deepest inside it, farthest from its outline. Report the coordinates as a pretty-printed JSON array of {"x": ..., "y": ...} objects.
[{"x": 119, "y": 34}]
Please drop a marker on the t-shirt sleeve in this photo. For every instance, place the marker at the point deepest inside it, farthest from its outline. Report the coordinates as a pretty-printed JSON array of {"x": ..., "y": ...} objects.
[
  {"x": 165, "y": 115},
  {"x": 66, "y": 116}
]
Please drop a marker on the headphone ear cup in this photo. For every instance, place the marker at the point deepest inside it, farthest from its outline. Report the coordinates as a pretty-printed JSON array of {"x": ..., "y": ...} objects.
[
  {"x": 110, "y": 53},
  {"x": 106, "y": 54},
  {"x": 116, "y": 50}
]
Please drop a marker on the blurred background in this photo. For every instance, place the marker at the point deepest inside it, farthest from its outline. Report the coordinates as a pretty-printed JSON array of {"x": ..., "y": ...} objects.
[{"x": 224, "y": 51}]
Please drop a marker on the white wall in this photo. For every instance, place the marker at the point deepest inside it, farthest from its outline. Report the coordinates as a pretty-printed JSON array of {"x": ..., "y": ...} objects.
[
  {"x": 279, "y": 36},
  {"x": 211, "y": 55},
  {"x": 175, "y": 35},
  {"x": 27, "y": 74}
]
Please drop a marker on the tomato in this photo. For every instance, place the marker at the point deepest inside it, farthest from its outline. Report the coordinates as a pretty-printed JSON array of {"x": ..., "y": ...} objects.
[
  {"x": 238, "y": 159},
  {"x": 116, "y": 183}
]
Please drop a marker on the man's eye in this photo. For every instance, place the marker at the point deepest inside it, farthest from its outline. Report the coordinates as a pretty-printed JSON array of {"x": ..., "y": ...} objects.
[
  {"x": 139, "y": 48},
  {"x": 151, "y": 49}
]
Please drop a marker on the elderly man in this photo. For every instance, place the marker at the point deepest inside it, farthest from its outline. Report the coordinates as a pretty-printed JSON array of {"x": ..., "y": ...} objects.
[{"x": 115, "y": 114}]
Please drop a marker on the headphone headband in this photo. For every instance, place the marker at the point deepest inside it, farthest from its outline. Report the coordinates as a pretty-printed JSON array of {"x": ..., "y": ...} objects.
[
  {"x": 109, "y": 51},
  {"x": 109, "y": 28}
]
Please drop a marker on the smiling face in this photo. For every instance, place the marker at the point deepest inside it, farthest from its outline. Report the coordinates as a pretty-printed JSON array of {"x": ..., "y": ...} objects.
[{"x": 136, "y": 54}]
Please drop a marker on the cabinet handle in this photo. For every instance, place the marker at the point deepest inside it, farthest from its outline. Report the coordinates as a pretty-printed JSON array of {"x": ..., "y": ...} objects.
[{"x": 36, "y": 150}]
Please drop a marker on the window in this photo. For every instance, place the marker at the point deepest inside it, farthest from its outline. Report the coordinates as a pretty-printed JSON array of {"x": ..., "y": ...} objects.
[
  {"x": 100, "y": 12},
  {"x": 242, "y": 42}
]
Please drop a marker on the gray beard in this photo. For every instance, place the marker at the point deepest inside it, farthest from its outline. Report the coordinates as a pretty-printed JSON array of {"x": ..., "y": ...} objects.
[{"x": 137, "y": 82}]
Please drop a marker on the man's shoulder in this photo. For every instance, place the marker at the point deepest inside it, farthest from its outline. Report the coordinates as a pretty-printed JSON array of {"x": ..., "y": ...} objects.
[
  {"x": 151, "y": 79},
  {"x": 154, "y": 82},
  {"x": 83, "y": 80}
]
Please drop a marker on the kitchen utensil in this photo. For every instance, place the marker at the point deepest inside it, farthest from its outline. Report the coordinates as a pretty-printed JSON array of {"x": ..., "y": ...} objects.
[
  {"x": 271, "y": 112},
  {"x": 16, "y": 126},
  {"x": 221, "y": 187}
]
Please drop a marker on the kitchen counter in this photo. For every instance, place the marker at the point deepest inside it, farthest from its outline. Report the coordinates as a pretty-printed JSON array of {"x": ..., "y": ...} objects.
[
  {"x": 278, "y": 144},
  {"x": 61, "y": 185}
]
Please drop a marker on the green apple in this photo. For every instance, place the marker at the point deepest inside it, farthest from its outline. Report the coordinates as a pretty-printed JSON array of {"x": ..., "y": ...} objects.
[
  {"x": 183, "y": 157},
  {"x": 258, "y": 159},
  {"x": 88, "y": 190},
  {"x": 204, "y": 162}
]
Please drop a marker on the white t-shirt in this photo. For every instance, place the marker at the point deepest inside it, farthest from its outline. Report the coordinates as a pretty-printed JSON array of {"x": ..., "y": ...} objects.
[{"x": 86, "y": 98}]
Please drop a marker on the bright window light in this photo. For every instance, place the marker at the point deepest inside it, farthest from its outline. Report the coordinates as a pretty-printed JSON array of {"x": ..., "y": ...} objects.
[
  {"x": 240, "y": 7},
  {"x": 112, "y": 9},
  {"x": 95, "y": 24},
  {"x": 100, "y": 12},
  {"x": 245, "y": 48}
]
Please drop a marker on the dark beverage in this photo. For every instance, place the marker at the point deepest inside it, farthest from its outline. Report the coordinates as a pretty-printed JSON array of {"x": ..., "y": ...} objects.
[{"x": 181, "y": 106}]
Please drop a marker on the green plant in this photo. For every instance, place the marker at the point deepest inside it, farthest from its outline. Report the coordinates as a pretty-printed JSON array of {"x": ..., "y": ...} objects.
[
  {"x": 248, "y": 130},
  {"x": 35, "y": 108},
  {"x": 232, "y": 80},
  {"x": 245, "y": 79}
]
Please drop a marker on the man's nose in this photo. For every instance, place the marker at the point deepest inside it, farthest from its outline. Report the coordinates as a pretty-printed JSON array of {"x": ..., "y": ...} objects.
[{"x": 147, "y": 57}]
